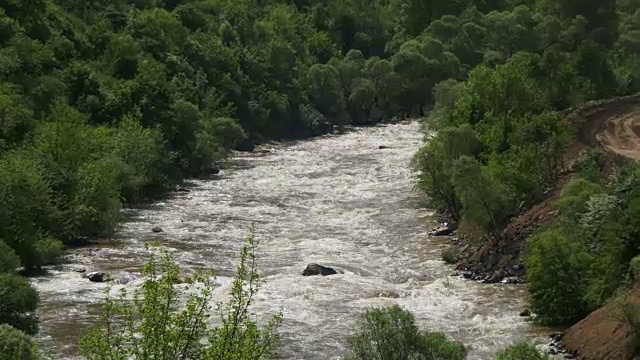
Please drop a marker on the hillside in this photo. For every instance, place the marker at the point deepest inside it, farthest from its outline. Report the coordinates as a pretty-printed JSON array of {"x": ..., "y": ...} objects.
[
  {"x": 610, "y": 125},
  {"x": 603, "y": 335}
]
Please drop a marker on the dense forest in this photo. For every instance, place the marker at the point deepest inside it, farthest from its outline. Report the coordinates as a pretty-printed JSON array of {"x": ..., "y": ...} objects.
[{"x": 107, "y": 102}]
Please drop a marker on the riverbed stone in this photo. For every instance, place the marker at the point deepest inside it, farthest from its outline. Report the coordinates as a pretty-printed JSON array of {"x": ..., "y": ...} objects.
[
  {"x": 157, "y": 229},
  {"x": 96, "y": 276},
  {"x": 443, "y": 230},
  {"x": 315, "y": 269},
  {"x": 525, "y": 313}
]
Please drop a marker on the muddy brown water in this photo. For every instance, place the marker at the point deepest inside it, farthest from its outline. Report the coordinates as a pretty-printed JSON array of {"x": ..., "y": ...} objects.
[{"x": 336, "y": 200}]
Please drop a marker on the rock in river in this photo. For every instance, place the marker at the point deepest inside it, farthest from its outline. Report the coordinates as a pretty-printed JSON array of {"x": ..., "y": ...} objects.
[
  {"x": 157, "y": 229},
  {"x": 96, "y": 276},
  {"x": 315, "y": 269},
  {"x": 525, "y": 313},
  {"x": 443, "y": 230}
]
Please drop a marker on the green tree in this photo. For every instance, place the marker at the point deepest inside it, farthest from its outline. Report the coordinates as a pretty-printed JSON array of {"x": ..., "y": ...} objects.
[
  {"x": 14, "y": 344},
  {"x": 556, "y": 267},
  {"x": 486, "y": 202},
  {"x": 521, "y": 351},
  {"x": 391, "y": 333},
  {"x": 18, "y": 301}
]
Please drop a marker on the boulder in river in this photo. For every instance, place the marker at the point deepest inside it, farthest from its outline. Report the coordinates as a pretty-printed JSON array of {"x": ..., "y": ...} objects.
[
  {"x": 525, "y": 313},
  {"x": 96, "y": 276},
  {"x": 443, "y": 230},
  {"x": 315, "y": 269},
  {"x": 157, "y": 229},
  {"x": 382, "y": 147},
  {"x": 213, "y": 171}
]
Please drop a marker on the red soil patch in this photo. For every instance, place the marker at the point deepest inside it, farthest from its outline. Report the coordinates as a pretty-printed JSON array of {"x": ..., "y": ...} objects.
[{"x": 602, "y": 335}]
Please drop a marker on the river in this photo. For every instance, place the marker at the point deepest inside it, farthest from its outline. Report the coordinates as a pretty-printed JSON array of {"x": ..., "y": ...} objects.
[{"x": 336, "y": 200}]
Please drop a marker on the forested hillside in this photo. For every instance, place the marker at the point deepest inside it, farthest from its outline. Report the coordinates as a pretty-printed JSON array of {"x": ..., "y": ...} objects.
[
  {"x": 502, "y": 145},
  {"x": 105, "y": 102}
]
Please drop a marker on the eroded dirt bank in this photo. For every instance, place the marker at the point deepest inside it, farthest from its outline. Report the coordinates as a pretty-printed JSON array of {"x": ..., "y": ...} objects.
[{"x": 603, "y": 335}]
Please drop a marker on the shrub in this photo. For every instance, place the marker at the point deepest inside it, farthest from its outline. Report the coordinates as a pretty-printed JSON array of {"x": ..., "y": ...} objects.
[
  {"x": 14, "y": 345},
  {"x": 557, "y": 286},
  {"x": 9, "y": 260},
  {"x": 451, "y": 255},
  {"x": 390, "y": 333},
  {"x": 152, "y": 323},
  {"x": 521, "y": 351},
  {"x": 18, "y": 301}
]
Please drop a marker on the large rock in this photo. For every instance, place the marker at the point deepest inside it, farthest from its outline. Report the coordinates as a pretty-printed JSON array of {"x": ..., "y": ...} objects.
[
  {"x": 157, "y": 229},
  {"x": 315, "y": 269},
  {"x": 443, "y": 230},
  {"x": 96, "y": 276}
]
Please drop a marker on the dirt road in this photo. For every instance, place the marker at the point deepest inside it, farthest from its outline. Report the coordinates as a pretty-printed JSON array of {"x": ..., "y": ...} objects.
[{"x": 620, "y": 133}]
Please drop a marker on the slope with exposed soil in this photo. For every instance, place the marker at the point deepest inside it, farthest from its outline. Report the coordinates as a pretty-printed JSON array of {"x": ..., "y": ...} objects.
[
  {"x": 613, "y": 125},
  {"x": 604, "y": 334},
  {"x": 621, "y": 134}
]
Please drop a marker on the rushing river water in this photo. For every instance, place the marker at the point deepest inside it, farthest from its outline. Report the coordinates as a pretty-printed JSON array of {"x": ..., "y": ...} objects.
[{"x": 336, "y": 200}]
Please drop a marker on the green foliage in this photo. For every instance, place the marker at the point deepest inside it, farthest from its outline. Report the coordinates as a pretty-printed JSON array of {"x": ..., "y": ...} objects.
[
  {"x": 554, "y": 268},
  {"x": 521, "y": 351},
  {"x": 451, "y": 254},
  {"x": 391, "y": 333},
  {"x": 523, "y": 61},
  {"x": 158, "y": 322},
  {"x": 14, "y": 344},
  {"x": 485, "y": 201},
  {"x": 19, "y": 300},
  {"x": 590, "y": 165},
  {"x": 9, "y": 260},
  {"x": 580, "y": 262}
]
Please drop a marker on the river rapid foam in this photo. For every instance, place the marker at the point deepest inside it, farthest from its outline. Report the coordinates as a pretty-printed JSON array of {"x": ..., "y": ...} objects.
[{"x": 337, "y": 200}]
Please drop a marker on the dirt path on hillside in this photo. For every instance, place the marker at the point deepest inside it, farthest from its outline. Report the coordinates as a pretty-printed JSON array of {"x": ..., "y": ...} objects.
[{"x": 620, "y": 133}]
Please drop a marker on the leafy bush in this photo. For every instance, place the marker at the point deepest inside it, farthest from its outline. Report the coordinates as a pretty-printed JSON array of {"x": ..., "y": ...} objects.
[
  {"x": 155, "y": 322},
  {"x": 590, "y": 165},
  {"x": 451, "y": 254},
  {"x": 556, "y": 265},
  {"x": 521, "y": 351},
  {"x": 390, "y": 333},
  {"x": 18, "y": 301},
  {"x": 9, "y": 260},
  {"x": 16, "y": 345}
]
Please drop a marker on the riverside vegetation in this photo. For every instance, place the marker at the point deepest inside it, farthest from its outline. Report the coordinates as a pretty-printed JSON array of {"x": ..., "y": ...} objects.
[{"x": 107, "y": 102}]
